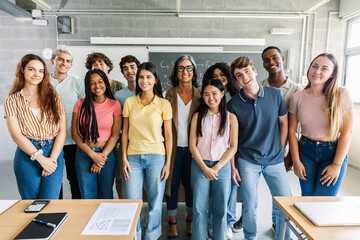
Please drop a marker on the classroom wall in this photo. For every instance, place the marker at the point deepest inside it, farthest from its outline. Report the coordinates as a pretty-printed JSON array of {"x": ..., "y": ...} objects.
[
  {"x": 18, "y": 37},
  {"x": 354, "y": 150}
]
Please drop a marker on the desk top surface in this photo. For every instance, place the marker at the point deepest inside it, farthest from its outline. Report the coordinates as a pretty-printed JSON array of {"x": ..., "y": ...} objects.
[
  {"x": 308, "y": 228},
  {"x": 13, "y": 220}
]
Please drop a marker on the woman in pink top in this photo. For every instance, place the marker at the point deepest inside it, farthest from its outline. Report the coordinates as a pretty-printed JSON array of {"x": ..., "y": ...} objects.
[
  {"x": 213, "y": 142},
  {"x": 96, "y": 124},
  {"x": 325, "y": 113}
]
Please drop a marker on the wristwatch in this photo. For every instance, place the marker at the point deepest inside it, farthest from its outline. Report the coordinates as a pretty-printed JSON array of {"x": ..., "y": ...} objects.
[{"x": 35, "y": 154}]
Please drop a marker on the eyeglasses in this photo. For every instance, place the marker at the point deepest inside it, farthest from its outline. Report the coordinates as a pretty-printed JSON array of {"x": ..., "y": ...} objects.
[{"x": 188, "y": 68}]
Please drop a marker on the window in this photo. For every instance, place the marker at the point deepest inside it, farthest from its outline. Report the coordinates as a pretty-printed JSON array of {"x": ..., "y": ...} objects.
[{"x": 352, "y": 52}]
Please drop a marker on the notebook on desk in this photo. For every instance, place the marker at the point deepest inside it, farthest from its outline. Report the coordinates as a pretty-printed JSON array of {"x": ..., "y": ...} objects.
[
  {"x": 35, "y": 230},
  {"x": 331, "y": 213}
]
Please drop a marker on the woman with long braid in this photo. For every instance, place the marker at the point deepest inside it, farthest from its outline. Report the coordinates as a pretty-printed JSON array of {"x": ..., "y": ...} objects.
[{"x": 96, "y": 124}]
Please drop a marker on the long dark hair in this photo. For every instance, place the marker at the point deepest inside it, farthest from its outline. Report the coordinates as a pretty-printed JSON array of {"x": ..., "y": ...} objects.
[
  {"x": 151, "y": 68},
  {"x": 203, "y": 108},
  {"x": 87, "y": 122},
  {"x": 47, "y": 96},
  {"x": 232, "y": 85},
  {"x": 173, "y": 76}
]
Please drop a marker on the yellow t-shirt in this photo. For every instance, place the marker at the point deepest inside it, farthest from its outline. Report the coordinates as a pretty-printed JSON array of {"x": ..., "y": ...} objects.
[{"x": 145, "y": 132}]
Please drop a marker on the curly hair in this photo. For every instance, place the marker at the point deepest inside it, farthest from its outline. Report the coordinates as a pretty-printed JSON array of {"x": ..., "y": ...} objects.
[
  {"x": 96, "y": 56},
  {"x": 232, "y": 85},
  {"x": 173, "y": 77},
  {"x": 47, "y": 95}
]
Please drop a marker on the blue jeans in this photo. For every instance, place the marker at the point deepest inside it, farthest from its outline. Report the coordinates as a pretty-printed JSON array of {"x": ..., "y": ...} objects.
[
  {"x": 30, "y": 183},
  {"x": 95, "y": 185},
  {"x": 151, "y": 166},
  {"x": 231, "y": 211},
  {"x": 315, "y": 156},
  {"x": 181, "y": 172},
  {"x": 277, "y": 181},
  {"x": 219, "y": 190}
]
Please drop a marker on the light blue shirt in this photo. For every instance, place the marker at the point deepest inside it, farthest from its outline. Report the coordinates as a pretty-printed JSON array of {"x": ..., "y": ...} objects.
[
  {"x": 70, "y": 89},
  {"x": 122, "y": 95}
]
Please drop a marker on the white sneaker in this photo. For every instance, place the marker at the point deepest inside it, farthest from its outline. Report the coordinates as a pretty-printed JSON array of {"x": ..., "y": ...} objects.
[
  {"x": 229, "y": 233},
  {"x": 210, "y": 232}
]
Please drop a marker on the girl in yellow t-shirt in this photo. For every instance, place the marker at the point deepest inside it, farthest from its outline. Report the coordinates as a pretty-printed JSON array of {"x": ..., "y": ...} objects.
[{"x": 143, "y": 149}]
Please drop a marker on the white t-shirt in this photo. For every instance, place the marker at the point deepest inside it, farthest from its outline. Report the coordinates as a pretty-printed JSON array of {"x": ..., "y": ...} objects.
[
  {"x": 36, "y": 112},
  {"x": 183, "y": 118},
  {"x": 70, "y": 89}
]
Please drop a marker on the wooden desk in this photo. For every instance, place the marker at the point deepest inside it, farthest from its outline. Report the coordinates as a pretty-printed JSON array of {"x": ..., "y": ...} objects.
[
  {"x": 13, "y": 220},
  {"x": 308, "y": 228}
]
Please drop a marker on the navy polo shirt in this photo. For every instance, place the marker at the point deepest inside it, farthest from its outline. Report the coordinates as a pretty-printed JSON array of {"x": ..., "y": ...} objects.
[{"x": 259, "y": 132}]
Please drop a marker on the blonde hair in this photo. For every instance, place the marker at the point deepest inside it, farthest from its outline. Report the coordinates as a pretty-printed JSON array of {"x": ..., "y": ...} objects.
[{"x": 334, "y": 104}]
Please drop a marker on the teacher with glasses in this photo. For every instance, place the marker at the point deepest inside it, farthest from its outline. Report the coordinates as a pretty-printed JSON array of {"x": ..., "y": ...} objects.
[{"x": 184, "y": 98}]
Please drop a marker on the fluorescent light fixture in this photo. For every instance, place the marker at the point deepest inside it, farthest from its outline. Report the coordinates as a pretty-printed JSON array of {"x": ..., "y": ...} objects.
[
  {"x": 179, "y": 41},
  {"x": 39, "y": 22},
  {"x": 316, "y": 6},
  {"x": 255, "y": 16},
  {"x": 281, "y": 31},
  {"x": 42, "y": 4}
]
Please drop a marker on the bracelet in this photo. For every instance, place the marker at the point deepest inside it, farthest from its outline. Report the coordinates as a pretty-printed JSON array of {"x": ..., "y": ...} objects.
[
  {"x": 339, "y": 165},
  {"x": 35, "y": 154}
]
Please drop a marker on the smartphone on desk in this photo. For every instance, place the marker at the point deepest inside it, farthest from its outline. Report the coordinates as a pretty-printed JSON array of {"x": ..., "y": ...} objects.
[{"x": 36, "y": 206}]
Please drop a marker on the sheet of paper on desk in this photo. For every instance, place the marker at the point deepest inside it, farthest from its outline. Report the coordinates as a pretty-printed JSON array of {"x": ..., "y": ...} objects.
[
  {"x": 5, "y": 204},
  {"x": 111, "y": 219}
]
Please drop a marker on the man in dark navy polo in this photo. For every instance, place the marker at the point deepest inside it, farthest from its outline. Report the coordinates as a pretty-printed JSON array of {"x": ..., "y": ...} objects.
[{"x": 263, "y": 127}]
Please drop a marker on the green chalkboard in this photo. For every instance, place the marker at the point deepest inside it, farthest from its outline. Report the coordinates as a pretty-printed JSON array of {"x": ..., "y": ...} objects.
[{"x": 164, "y": 61}]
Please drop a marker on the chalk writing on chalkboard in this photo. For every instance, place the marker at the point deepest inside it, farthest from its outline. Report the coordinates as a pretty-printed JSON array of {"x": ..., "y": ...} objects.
[{"x": 165, "y": 62}]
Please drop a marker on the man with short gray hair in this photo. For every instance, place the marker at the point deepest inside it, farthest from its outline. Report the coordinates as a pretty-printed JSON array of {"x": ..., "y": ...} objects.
[{"x": 70, "y": 89}]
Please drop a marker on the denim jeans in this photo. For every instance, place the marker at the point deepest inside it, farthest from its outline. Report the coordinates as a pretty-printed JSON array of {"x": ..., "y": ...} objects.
[
  {"x": 30, "y": 183},
  {"x": 277, "y": 181},
  {"x": 181, "y": 172},
  {"x": 151, "y": 166},
  {"x": 95, "y": 185},
  {"x": 231, "y": 211},
  {"x": 219, "y": 190},
  {"x": 315, "y": 156}
]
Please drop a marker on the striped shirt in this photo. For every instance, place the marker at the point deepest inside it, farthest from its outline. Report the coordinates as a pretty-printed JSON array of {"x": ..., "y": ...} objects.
[{"x": 30, "y": 126}]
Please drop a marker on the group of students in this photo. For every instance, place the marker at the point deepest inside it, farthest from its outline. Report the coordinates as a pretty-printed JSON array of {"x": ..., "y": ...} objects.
[{"x": 212, "y": 141}]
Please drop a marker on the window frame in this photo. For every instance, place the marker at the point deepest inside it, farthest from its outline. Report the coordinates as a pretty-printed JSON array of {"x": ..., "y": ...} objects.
[{"x": 350, "y": 51}]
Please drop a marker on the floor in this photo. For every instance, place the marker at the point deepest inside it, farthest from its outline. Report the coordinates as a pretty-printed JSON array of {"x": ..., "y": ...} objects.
[{"x": 8, "y": 190}]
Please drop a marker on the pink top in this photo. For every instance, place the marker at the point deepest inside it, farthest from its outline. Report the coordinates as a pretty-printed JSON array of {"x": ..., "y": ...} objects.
[
  {"x": 309, "y": 112},
  {"x": 104, "y": 116},
  {"x": 211, "y": 145}
]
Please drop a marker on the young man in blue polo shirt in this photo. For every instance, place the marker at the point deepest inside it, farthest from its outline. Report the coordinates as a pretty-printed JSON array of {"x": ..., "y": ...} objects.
[{"x": 263, "y": 127}]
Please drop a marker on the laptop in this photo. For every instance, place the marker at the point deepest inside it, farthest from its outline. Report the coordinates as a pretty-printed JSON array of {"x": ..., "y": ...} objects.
[{"x": 331, "y": 213}]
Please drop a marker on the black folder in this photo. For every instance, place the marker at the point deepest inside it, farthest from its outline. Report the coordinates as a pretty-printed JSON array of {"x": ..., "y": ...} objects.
[{"x": 35, "y": 230}]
